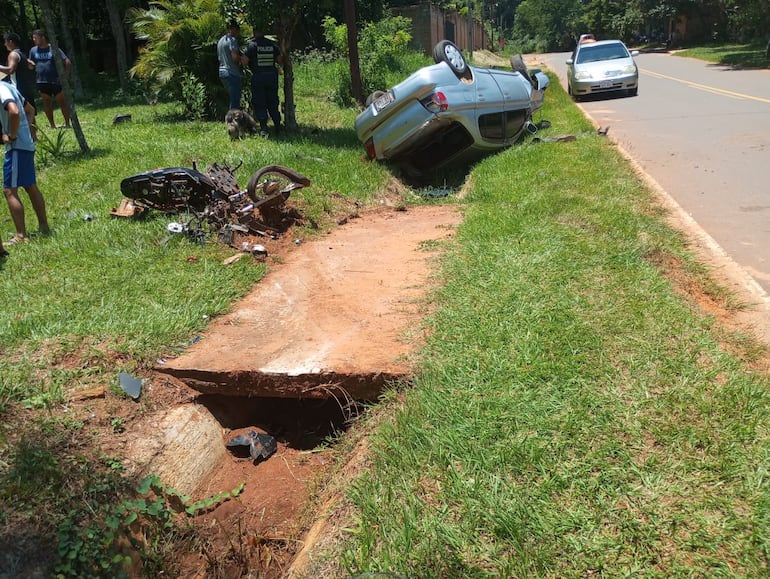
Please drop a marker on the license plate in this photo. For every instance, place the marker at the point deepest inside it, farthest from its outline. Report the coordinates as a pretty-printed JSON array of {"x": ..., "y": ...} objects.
[
  {"x": 383, "y": 101},
  {"x": 605, "y": 84}
]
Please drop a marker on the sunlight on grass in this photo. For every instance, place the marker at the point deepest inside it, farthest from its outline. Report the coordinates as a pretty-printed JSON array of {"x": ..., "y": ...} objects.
[
  {"x": 573, "y": 414},
  {"x": 737, "y": 55}
]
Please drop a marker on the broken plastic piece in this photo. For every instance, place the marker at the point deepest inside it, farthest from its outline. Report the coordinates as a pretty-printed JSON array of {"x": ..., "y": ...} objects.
[
  {"x": 175, "y": 227},
  {"x": 127, "y": 208},
  {"x": 130, "y": 385},
  {"x": 260, "y": 445}
]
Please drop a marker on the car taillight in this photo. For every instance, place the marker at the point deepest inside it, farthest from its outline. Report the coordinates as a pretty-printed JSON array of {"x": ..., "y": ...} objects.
[
  {"x": 369, "y": 148},
  {"x": 436, "y": 102}
]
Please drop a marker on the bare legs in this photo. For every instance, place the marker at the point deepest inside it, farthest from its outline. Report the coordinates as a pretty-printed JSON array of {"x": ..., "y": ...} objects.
[
  {"x": 17, "y": 209},
  {"x": 48, "y": 107}
]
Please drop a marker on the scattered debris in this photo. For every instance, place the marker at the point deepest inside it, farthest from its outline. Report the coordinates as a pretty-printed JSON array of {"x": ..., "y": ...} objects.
[
  {"x": 260, "y": 445},
  {"x": 121, "y": 118},
  {"x": 233, "y": 258},
  {"x": 213, "y": 199},
  {"x": 603, "y": 131},
  {"x": 127, "y": 208},
  {"x": 130, "y": 385},
  {"x": 88, "y": 394}
]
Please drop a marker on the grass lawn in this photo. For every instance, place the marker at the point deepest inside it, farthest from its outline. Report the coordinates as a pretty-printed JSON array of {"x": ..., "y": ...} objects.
[
  {"x": 573, "y": 414},
  {"x": 736, "y": 55}
]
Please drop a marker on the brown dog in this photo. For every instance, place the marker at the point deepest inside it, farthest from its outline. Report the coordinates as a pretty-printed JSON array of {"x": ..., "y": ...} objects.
[{"x": 239, "y": 124}]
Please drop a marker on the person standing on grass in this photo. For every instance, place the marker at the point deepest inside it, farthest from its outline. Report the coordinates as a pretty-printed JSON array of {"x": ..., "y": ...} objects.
[
  {"x": 262, "y": 56},
  {"x": 229, "y": 56},
  {"x": 18, "y": 68},
  {"x": 17, "y": 118},
  {"x": 47, "y": 77}
]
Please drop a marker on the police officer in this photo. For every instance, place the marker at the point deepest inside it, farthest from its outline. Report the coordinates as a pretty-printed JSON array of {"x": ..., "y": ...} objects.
[{"x": 263, "y": 55}]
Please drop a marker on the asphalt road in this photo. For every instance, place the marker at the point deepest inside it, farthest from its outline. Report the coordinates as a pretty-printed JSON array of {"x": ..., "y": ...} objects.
[{"x": 702, "y": 131}]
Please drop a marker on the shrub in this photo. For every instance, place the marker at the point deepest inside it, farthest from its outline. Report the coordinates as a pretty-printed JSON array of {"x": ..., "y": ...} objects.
[{"x": 383, "y": 50}]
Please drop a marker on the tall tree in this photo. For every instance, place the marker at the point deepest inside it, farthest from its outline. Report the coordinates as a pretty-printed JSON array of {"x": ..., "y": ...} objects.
[
  {"x": 48, "y": 20},
  {"x": 70, "y": 47},
  {"x": 116, "y": 12}
]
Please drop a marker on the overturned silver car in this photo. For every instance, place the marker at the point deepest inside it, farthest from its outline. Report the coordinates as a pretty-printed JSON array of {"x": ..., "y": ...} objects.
[{"x": 450, "y": 112}]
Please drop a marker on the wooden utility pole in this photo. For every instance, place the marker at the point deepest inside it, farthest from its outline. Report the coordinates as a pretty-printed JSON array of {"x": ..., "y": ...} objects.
[
  {"x": 355, "y": 70},
  {"x": 470, "y": 29}
]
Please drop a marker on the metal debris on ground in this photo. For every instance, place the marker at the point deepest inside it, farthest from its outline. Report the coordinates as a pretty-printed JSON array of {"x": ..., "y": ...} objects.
[
  {"x": 121, "y": 118},
  {"x": 130, "y": 385},
  {"x": 260, "y": 445},
  {"x": 213, "y": 200}
]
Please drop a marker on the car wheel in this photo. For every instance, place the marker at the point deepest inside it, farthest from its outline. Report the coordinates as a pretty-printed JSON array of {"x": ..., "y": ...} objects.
[
  {"x": 633, "y": 91},
  {"x": 446, "y": 51},
  {"x": 373, "y": 97},
  {"x": 517, "y": 64}
]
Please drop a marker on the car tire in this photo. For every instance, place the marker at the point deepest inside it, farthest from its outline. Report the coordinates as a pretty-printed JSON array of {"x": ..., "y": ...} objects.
[
  {"x": 633, "y": 91},
  {"x": 446, "y": 51},
  {"x": 373, "y": 97},
  {"x": 518, "y": 65}
]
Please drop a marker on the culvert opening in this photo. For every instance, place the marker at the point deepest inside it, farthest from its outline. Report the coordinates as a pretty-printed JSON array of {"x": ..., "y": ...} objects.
[{"x": 298, "y": 423}]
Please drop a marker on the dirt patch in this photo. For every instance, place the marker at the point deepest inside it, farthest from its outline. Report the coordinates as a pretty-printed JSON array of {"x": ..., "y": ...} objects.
[{"x": 335, "y": 320}]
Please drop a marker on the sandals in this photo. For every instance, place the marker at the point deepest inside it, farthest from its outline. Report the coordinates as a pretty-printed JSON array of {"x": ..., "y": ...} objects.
[{"x": 16, "y": 239}]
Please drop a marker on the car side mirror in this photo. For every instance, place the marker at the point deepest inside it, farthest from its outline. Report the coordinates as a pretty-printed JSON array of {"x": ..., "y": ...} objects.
[
  {"x": 569, "y": 61},
  {"x": 634, "y": 53}
]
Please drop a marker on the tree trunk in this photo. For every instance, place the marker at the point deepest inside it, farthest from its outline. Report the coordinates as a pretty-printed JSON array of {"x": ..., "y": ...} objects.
[
  {"x": 47, "y": 13},
  {"x": 70, "y": 45},
  {"x": 24, "y": 31},
  {"x": 287, "y": 24},
  {"x": 116, "y": 23},
  {"x": 82, "y": 30}
]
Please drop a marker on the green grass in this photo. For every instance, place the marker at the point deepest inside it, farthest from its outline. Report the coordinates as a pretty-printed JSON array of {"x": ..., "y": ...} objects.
[
  {"x": 109, "y": 287},
  {"x": 102, "y": 295},
  {"x": 735, "y": 55},
  {"x": 573, "y": 415}
]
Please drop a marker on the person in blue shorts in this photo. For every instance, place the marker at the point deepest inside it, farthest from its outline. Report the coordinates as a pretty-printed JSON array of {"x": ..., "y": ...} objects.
[
  {"x": 19, "y": 167},
  {"x": 41, "y": 57}
]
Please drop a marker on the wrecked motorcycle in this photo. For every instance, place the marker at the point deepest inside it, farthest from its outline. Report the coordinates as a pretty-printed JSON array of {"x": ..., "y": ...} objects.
[{"x": 214, "y": 197}]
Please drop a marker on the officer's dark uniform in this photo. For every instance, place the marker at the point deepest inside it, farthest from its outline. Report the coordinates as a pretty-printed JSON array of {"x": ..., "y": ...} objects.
[{"x": 263, "y": 53}]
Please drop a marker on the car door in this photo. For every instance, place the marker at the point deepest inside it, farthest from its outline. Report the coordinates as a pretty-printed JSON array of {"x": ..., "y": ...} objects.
[
  {"x": 489, "y": 107},
  {"x": 514, "y": 106}
]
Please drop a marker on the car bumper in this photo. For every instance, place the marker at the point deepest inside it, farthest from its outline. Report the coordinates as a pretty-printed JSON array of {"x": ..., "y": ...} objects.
[{"x": 595, "y": 86}]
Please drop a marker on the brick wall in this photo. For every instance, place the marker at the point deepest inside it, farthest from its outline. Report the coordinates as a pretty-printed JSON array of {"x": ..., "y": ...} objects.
[{"x": 431, "y": 24}]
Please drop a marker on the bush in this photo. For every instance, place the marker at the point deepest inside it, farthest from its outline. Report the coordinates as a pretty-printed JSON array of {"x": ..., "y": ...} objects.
[
  {"x": 383, "y": 55},
  {"x": 195, "y": 100}
]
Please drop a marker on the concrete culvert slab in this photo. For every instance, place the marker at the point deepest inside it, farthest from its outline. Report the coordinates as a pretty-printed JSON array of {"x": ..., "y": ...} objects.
[{"x": 340, "y": 314}]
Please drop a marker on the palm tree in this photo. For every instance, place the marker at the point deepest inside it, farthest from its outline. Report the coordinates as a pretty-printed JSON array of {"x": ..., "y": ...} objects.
[{"x": 180, "y": 39}]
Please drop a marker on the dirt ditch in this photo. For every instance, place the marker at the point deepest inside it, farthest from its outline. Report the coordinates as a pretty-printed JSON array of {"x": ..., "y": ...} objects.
[{"x": 335, "y": 321}]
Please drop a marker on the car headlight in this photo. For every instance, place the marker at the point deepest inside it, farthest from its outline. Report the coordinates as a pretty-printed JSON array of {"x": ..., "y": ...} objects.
[
  {"x": 630, "y": 69},
  {"x": 582, "y": 75}
]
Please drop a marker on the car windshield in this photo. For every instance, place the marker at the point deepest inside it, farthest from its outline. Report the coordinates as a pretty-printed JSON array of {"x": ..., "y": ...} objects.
[{"x": 604, "y": 52}]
